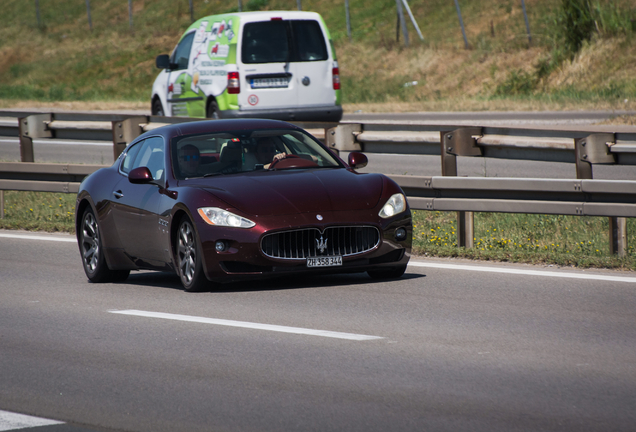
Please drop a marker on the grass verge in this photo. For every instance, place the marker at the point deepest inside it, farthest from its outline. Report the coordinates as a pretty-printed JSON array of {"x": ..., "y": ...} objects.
[
  {"x": 521, "y": 238},
  {"x": 39, "y": 211},
  {"x": 578, "y": 241}
]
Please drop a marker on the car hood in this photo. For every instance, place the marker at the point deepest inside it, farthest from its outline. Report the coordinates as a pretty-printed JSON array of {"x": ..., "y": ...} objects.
[{"x": 266, "y": 193}]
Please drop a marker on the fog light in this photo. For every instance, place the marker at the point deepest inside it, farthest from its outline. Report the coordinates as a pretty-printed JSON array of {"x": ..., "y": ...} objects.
[
  {"x": 220, "y": 246},
  {"x": 400, "y": 234}
]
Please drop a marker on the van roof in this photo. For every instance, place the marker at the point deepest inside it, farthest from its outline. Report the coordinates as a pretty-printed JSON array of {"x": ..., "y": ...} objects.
[{"x": 258, "y": 15}]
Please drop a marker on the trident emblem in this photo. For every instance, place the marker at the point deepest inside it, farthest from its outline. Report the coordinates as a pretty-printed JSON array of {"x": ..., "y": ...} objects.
[{"x": 321, "y": 244}]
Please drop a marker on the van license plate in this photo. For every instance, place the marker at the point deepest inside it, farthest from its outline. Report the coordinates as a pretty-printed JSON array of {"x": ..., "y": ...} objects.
[
  {"x": 327, "y": 261},
  {"x": 269, "y": 83}
]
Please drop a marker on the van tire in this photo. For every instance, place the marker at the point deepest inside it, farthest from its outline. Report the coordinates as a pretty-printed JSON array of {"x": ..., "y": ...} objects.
[
  {"x": 157, "y": 108},
  {"x": 212, "y": 111}
]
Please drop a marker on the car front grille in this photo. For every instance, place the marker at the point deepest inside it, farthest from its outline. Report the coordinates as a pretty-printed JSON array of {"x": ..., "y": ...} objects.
[{"x": 311, "y": 242}]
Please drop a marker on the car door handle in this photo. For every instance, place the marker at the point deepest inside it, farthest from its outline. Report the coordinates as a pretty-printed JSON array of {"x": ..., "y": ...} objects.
[{"x": 118, "y": 194}]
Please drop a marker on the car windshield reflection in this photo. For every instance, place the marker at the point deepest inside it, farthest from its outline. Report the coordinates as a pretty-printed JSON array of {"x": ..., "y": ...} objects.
[{"x": 212, "y": 154}]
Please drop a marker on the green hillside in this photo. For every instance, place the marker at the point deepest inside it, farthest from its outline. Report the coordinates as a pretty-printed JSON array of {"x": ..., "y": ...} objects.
[{"x": 582, "y": 52}]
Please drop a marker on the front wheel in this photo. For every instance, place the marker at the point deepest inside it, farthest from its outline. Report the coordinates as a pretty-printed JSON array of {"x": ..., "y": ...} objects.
[
  {"x": 93, "y": 261},
  {"x": 389, "y": 273},
  {"x": 157, "y": 108},
  {"x": 189, "y": 259}
]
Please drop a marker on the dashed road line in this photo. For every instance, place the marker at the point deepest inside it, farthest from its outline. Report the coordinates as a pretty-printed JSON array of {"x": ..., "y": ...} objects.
[
  {"x": 11, "y": 421},
  {"x": 249, "y": 325},
  {"x": 38, "y": 237}
]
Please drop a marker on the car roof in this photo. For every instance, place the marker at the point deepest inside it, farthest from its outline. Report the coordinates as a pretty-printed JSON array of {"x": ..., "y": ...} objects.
[{"x": 208, "y": 126}]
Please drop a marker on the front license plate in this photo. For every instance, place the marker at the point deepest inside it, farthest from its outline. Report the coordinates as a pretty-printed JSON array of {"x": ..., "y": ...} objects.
[
  {"x": 270, "y": 83},
  {"x": 328, "y": 261}
]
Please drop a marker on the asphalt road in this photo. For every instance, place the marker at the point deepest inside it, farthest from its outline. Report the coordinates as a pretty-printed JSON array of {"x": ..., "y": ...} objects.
[{"x": 471, "y": 347}]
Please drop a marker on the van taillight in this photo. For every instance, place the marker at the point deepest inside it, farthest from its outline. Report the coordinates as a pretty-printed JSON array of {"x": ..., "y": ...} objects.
[
  {"x": 336, "y": 78},
  {"x": 233, "y": 83}
]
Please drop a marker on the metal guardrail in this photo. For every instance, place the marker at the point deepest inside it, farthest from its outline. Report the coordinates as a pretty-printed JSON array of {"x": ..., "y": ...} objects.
[
  {"x": 44, "y": 177},
  {"x": 584, "y": 148},
  {"x": 581, "y": 196},
  {"x": 514, "y": 195}
]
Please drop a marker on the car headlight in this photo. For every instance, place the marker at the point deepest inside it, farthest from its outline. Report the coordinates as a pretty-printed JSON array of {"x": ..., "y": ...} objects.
[
  {"x": 219, "y": 217},
  {"x": 396, "y": 204}
]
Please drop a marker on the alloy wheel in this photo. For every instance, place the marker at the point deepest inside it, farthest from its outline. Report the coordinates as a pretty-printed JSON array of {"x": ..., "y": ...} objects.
[
  {"x": 187, "y": 251},
  {"x": 90, "y": 242}
]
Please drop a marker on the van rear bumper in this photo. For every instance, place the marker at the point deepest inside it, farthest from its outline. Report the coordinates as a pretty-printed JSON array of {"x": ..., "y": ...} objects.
[{"x": 310, "y": 114}]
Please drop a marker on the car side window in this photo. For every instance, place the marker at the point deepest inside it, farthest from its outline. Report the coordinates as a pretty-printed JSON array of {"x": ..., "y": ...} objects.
[
  {"x": 181, "y": 54},
  {"x": 127, "y": 164},
  {"x": 151, "y": 156}
]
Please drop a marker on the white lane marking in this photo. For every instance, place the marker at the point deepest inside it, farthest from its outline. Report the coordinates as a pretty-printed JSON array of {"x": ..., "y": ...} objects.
[
  {"x": 12, "y": 421},
  {"x": 249, "y": 325},
  {"x": 524, "y": 272},
  {"x": 490, "y": 269},
  {"x": 60, "y": 142},
  {"x": 39, "y": 237}
]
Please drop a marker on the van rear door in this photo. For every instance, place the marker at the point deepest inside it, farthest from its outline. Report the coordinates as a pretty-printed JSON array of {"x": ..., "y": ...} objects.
[
  {"x": 286, "y": 65},
  {"x": 266, "y": 53},
  {"x": 312, "y": 66}
]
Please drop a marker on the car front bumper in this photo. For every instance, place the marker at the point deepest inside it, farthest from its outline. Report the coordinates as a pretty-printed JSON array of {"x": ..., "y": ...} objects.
[{"x": 243, "y": 259}]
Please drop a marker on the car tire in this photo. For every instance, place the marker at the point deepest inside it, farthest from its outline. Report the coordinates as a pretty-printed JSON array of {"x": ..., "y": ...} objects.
[
  {"x": 212, "y": 111},
  {"x": 389, "y": 273},
  {"x": 189, "y": 258},
  {"x": 157, "y": 108},
  {"x": 93, "y": 260}
]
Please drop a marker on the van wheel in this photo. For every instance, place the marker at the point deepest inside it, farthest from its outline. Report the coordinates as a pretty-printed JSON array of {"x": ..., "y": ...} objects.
[
  {"x": 157, "y": 108},
  {"x": 212, "y": 110}
]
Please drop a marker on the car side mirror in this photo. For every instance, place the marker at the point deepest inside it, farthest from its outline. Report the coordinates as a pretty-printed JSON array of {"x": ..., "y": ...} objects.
[
  {"x": 140, "y": 175},
  {"x": 358, "y": 160},
  {"x": 163, "y": 61}
]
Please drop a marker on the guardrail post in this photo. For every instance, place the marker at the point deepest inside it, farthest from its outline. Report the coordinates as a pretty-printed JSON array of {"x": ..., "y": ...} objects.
[
  {"x": 465, "y": 229},
  {"x": 343, "y": 137},
  {"x": 1, "y": 204},
  {"x": 449, "y": 160},
  {"x": 125, "y": 131},
  {"x": 30, "y": 127},
  {"x": 460, "y": 142},
  {"x": 595, "y": 149},
  {"x": 618, "y": 236}
]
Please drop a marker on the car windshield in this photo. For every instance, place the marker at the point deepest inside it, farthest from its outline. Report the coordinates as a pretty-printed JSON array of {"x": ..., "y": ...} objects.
[{"x": 233, "y": 152}]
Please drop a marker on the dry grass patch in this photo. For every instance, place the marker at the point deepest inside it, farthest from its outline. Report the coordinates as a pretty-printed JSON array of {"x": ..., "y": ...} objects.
[{"x": 616, "y": 56}]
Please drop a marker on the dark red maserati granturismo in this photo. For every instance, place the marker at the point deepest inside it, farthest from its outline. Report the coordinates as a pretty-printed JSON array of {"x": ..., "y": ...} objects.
[{"x": 225, "y": 200}]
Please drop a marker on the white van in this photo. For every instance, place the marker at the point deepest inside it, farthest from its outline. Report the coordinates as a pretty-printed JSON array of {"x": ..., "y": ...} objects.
[{"x": 276, "y": 65}]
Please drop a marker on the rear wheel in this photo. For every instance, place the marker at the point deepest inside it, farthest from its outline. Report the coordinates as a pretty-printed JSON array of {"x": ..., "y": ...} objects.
[
  {"x": 93, "y": 260},
  {"x": 389, "y": 273},
  {"x": 189, "y": 259},
  {"x": 212, "y": 111}
]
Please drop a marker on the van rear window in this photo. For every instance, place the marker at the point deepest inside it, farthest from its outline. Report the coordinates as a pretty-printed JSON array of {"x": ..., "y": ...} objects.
[
  {"x": 310, "y": 42},
  {"x": 282, "y": 41}
]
